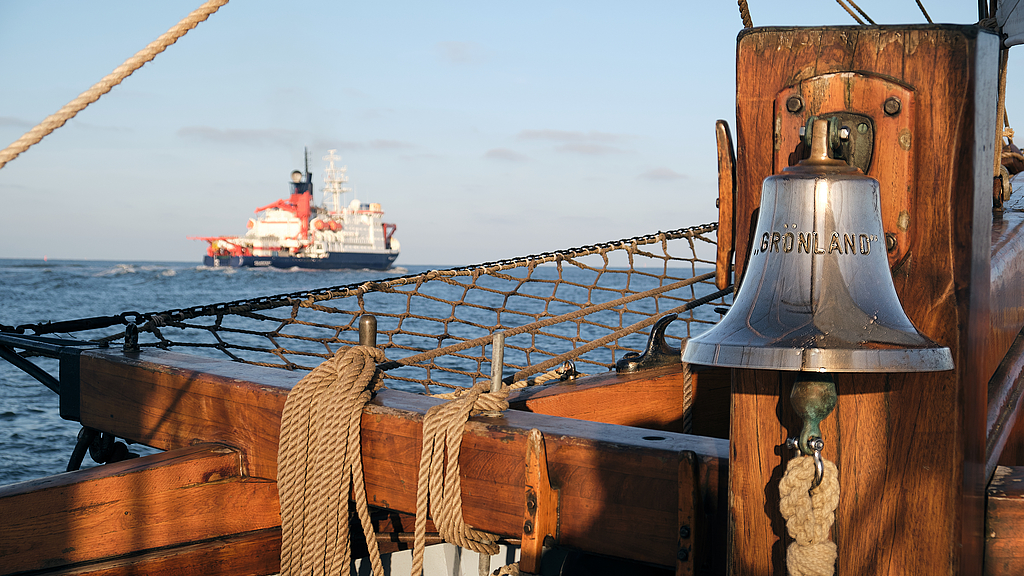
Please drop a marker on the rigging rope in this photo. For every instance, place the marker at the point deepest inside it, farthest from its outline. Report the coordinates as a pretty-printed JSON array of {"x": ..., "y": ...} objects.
[
  {"x": 745, "y": 14},
  {"x": 431, "y": 354},
  {"x": 850, "y": 12},
  {"x": 93, "y": 94},
  {"x": 925, "y": 12}
]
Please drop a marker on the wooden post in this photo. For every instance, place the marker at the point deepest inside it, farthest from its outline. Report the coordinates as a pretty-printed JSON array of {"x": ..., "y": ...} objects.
[{"x": 910, "y": 447}]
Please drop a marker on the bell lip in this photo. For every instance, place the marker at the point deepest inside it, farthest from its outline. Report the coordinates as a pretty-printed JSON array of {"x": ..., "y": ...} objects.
[{"x": 932, "y": 359}]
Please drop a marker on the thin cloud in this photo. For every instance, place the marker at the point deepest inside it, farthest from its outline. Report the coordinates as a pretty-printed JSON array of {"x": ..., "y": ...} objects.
[
  {"x": 459, "y": 52},
  {"x": 423, "y": 156},
  {"x": 242, "y": 136},
  {"x": 569, "y": 136},
  {"x": 661, "y": 174},
  {"x": 588, "y": 149},
  {"x": 390, "y": 145},
  {"x": 10, "y": 122},
  {"x": 88, "y": 126},
  {"x": 505, "y": 154}
]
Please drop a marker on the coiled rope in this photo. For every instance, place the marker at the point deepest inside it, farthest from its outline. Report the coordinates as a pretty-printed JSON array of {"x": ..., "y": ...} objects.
[
  {"x": 319, "y": 461},
  {"x": 93, "y": 94},
  {"x": 439, "y": 487},
  {"x": 809, "y": 516}
]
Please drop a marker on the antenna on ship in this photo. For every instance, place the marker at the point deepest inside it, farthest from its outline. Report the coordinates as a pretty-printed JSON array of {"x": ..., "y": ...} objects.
[
  {"x": 334, "y": 182},
  {"x": 309, "y": 175}
]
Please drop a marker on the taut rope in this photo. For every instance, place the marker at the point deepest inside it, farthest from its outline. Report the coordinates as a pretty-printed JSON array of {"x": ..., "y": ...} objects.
[{"x": 93, "y": 94}]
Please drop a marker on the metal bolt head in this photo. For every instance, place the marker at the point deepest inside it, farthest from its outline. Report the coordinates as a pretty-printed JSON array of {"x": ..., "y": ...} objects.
[
  {"x": 683, "y": 555},
  {"x": 794, "y": 104},
  {"x": 684, "y": 531},
  {"x": 531, "y": 502},
  {"x": 892, "y": 105},
  {"x": 890, "y": 242},
  {"x": 528, "y": 527}
]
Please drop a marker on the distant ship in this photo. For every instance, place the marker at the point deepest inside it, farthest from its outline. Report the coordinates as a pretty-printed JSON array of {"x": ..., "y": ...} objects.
[{"x": 295, "y": 233}]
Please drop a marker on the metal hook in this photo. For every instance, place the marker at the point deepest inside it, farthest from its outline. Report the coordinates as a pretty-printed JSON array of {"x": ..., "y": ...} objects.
[{"x": 816, "y": 445}]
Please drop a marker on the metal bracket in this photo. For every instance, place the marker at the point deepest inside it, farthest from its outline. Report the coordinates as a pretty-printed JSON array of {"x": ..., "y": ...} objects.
[
  {"x": 657, "y": 354},
  {"x": 66, "y": 350},
  {"x": 540, "y": 524}
]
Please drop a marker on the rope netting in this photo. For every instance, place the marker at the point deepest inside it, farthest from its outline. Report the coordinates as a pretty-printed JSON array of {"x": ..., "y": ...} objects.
[{"x": 592, "y": 304}]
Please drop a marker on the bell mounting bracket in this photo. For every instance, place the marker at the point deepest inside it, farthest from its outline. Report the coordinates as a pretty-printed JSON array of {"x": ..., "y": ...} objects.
[{"x": 873, "y": 129}]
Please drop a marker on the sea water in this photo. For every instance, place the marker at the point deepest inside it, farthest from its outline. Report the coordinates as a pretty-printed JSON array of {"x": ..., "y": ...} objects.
[{"x": 34, "y": 440}]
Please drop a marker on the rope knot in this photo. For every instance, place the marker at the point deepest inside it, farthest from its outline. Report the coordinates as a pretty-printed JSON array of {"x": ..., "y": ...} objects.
[{"x": 809, "y": 516}]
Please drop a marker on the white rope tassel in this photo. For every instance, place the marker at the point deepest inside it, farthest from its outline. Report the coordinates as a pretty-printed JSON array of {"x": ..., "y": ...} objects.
[{"x": 809, "y": 517}]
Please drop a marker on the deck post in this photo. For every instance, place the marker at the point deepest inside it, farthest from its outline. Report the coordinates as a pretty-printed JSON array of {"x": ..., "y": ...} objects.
[{"x": 910, "y": 447}]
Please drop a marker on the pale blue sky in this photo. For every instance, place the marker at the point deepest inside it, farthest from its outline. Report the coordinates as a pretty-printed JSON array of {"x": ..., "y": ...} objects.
[{"x": 485, "y": 129}]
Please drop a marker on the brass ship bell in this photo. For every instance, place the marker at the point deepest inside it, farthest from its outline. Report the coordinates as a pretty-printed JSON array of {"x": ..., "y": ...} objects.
[{"x": 817, "y": 294}]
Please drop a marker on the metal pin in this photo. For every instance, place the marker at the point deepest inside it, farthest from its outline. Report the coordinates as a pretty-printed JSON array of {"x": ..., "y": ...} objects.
[
  {"x": 368, "y": 330},
  {"x": 497, "y": 360}
]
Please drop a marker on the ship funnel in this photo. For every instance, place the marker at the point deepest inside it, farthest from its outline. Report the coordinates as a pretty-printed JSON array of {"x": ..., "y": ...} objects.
[{"x": 817, "y": 293}]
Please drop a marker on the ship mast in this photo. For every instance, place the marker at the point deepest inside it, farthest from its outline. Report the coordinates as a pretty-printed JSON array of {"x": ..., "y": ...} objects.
[{"x": 334, "y": 182}]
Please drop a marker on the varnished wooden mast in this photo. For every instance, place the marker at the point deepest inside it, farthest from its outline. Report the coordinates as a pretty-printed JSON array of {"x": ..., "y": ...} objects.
[{"x": 910, "y": 447}]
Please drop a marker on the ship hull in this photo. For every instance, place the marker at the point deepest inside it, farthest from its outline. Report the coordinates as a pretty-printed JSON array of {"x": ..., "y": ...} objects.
[{"x": 333, "y": 261}]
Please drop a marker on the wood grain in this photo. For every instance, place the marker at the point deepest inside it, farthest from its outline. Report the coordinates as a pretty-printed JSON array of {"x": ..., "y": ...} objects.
[
  {"x": 252, "y": 553},
  {"x": 910, "y": 448},
  {"x": 1004, "y": 523},
  {"x": 726, "y": 205},
  {"x": 650, "y": 399},
  {"x": 186, "y": 495},
  {"x": 610, "y": 476}
]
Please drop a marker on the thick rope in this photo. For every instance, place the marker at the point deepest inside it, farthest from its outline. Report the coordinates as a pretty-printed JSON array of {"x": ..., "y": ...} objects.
[
  {"x": 809, "y": 516},
  {"x": 687, "y": 397},
  {"x": 1004, "y": 59},
  {"x": 745, "y": 14},
  {"x": 319, "y": 462},
  {"x": 439, "y": 487},
  {"x": 93, "y": 94}
]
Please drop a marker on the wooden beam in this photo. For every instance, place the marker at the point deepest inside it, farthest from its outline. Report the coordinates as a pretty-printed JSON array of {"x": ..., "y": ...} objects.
[
  {"x": 251, "y": 553},
  {"x": 619, "y": 484},
  {"x": 1004, "y": 523},
  {"x": 726, "y": 205},
  {"x": 910, "y": 447},
  {"x": 649, "y": 399},
  {"x": 1007, "y": 274},
  {"x": 1005, "y": 438},
  {"x": 187, "y": 495}
]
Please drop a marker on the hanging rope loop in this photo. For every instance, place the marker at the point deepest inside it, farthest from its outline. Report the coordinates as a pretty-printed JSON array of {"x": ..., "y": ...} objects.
[
  {"x": 320, "y": 462},
  {"x": 439, "y": 487}
]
